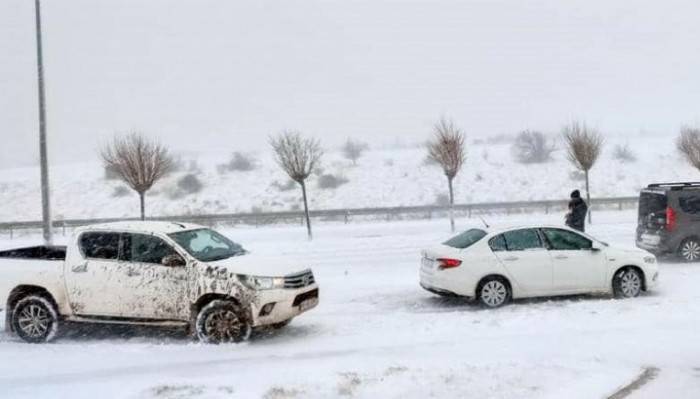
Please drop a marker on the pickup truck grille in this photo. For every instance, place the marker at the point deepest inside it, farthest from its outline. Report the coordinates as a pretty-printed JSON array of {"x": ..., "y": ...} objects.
[{"x": 299, "y": 280}]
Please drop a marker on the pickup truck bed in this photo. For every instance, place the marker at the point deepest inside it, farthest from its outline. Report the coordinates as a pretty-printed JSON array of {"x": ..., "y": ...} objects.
[{"x": 39, "y": 252}]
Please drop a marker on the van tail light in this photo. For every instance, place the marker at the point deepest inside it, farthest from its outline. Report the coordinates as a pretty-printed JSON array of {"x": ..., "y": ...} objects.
[
  {"x": 670, "y": 219},
  {"x": 447, "y": 263}
]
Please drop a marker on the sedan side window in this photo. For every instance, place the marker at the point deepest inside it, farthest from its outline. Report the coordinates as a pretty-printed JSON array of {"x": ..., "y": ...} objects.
[
  {"x": 520, "y": 240},
  {"x": 498, "y": 243},
  {"x": 100, "y": 245},
  {"x": 563, "y": 240},
  {"x": 143, "y": 248}
]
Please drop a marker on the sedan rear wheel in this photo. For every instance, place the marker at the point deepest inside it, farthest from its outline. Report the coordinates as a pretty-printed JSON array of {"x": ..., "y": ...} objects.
[
  {"x": 690, "y": 250},
  {"x": 493, "y": 293}
]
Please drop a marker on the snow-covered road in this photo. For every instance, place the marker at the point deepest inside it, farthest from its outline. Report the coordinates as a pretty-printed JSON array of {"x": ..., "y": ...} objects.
[{"x": 376, "y": 334}]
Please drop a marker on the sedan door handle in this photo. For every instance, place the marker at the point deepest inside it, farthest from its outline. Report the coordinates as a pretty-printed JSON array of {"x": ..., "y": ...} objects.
[
  {"x": 511, "y": 258},
  {"x": 82, "y": 268},
  {"x": 561, "y": 257}
]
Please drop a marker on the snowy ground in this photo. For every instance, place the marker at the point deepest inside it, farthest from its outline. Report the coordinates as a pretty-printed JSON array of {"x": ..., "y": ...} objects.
[
  {"x": 376, "y": 334},
  {"x": 383, "y": 177}
]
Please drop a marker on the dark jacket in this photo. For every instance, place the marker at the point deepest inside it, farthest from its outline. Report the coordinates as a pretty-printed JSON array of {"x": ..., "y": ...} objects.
[{"x": 576, "y": 218}]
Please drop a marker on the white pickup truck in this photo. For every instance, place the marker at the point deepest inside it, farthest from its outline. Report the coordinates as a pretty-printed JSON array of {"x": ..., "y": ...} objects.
[{"x": 150, "y": 273}]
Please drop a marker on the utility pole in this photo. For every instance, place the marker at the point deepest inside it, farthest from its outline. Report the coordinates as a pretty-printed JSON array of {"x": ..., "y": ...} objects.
[{"x": 45, "y": 194}]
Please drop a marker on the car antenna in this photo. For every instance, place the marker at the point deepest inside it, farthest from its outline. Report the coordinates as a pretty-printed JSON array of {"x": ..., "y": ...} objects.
[{"x": 483, "y": 221}]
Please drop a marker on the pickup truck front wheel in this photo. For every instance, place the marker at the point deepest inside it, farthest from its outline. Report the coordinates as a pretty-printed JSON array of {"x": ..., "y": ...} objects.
[
  {"x": 34, "y": 319},
  {"x": 220, "y": 322}
]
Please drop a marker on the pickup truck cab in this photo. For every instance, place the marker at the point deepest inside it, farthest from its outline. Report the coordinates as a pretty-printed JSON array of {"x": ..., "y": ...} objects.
[{"x": 150, "y": 273}]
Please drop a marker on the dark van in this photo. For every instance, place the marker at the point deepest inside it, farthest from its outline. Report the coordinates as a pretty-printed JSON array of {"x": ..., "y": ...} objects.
[{"x": 669, "y": 220}]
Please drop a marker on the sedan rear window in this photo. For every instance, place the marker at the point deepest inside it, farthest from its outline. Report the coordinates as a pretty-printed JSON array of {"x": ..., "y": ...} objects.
[{"x": 465, "y": 239}]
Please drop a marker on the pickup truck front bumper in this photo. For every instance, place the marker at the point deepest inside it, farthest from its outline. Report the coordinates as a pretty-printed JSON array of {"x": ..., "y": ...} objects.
[{"x": 279, "y": 305}]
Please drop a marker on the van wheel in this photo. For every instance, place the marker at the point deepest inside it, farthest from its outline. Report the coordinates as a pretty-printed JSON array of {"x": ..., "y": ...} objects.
[
  {"x": 221, "y": 322},
  {"x": 627, "y": 283},
  {"x": 690, "y": 250},
  {"x": 35, "y": 319},
  {"x": 493, "y": 292}
]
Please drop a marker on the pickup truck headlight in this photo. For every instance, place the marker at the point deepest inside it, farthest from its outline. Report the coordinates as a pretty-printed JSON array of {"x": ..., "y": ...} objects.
[
  {"x": 649, "y": 259},
  {"x": 262, "y": 283}
]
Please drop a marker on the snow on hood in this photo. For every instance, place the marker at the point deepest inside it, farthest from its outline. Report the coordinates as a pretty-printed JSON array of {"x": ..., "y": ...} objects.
[{"x": 256, "y": 265}]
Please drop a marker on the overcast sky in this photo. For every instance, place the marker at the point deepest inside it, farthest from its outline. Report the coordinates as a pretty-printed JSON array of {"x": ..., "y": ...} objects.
[{"x": 226, "y": 74}]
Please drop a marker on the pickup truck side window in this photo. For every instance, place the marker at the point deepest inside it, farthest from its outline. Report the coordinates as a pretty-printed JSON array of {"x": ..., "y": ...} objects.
[
  {"x": 144, "y": 248},
  {"x": 99, "y": 245}
]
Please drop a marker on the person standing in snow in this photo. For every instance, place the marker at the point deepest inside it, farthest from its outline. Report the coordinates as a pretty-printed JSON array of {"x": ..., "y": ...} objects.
[{"x": 576, "y": 217}]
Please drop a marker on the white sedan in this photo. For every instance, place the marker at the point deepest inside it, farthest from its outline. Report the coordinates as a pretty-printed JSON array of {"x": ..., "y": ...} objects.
[{"x": 497, "y": 265}]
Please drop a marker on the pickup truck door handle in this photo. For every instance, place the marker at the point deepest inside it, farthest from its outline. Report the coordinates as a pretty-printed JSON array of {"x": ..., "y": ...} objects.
[
  {"x": 561, "y": 257},
  {"x": 511, "y": 258},
  {"x": 132, "y": 273},
  {"x": 81, "y": 268}
]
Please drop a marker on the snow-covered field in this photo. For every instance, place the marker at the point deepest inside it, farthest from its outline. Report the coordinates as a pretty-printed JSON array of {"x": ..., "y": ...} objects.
[
  {"x": 383, "y": 177},
  {"x": 376, "y": 334}
]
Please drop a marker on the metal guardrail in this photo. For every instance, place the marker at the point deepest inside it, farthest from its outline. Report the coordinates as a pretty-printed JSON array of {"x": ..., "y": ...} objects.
[{"x": 345, "y": 215}]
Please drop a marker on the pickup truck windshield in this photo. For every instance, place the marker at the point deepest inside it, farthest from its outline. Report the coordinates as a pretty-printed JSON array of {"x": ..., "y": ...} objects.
[{"x": 207, "y": 245}]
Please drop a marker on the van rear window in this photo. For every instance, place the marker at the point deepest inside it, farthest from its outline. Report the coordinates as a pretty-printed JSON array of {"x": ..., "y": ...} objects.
[
  {"x": 652, "y": 203},
  {"x": 465, "y": 239}
]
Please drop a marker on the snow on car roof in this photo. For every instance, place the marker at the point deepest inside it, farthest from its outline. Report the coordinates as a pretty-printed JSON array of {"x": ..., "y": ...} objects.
[
  {"x": 497, "y": 229},
  {"x": 143, "y": 226}
]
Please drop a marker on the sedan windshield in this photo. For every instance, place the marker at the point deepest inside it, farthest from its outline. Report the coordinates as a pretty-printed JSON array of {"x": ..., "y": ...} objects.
[
  {"x": 207, "y": 245},
  {"x": 465, "y": 239}
]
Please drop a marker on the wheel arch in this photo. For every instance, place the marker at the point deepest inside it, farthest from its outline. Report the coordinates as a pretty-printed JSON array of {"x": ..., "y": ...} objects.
[
  {"x": 205, "y": 299},
  {"x": 23, "y": 291}
]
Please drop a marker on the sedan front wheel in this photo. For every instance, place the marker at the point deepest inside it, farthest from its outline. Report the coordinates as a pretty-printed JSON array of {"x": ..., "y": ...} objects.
[{"x": 627, "y": 283}]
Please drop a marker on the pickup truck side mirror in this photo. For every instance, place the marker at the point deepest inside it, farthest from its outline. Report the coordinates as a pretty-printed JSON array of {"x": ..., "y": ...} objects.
[{"x": 173, "y": 260}]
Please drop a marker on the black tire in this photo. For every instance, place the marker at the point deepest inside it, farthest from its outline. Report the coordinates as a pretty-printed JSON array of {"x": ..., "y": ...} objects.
[
  {"x": 35, "y": 319},
  {"x": 493, "y": 292},
  {"x": 221, "y": 322},
  {"x": 628, "y": 283},
  {"x": 689, "y": 250}
]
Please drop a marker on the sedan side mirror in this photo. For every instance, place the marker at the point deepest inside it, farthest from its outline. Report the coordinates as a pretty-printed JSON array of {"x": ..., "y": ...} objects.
[
  {"x": 173, "y": 260},
  {"x": 595, "y": 247}
]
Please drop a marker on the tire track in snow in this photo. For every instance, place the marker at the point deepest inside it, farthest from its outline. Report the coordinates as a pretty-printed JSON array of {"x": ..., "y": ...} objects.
[{"x": 648, "y": 374}]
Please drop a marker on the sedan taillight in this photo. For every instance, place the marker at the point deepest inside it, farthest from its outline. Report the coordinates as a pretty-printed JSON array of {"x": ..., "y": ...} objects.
[{"x": 448, "y": 263}]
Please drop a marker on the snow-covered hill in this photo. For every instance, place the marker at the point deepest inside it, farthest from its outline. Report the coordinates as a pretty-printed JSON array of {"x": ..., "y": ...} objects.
[{"x": 386, "y": 177}]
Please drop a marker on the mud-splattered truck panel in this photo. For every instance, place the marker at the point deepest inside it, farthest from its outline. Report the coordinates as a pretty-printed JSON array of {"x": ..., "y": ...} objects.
[{"x": 151, "y": 273}]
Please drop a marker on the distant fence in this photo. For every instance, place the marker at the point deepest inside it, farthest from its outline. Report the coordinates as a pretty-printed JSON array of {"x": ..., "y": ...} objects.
[{"x": 344, "y": 215}]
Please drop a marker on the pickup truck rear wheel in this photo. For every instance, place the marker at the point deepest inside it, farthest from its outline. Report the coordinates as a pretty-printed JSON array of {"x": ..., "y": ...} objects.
[
  {"x": 34, "y": 319},
  {"x": 220, "y": 322}
]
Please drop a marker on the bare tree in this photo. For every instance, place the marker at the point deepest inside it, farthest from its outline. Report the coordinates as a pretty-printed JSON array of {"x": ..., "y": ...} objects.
[
  {"x": 583, "y": 147},
  {"x": 138, "y": 161},
  {"x": 353, "y": 150},
  {"x": 447, "y": 150},
  {"x": 532, "y": 147},
  {"x": 298, "y": 157},
  {"x": 688, "y": 144}
]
